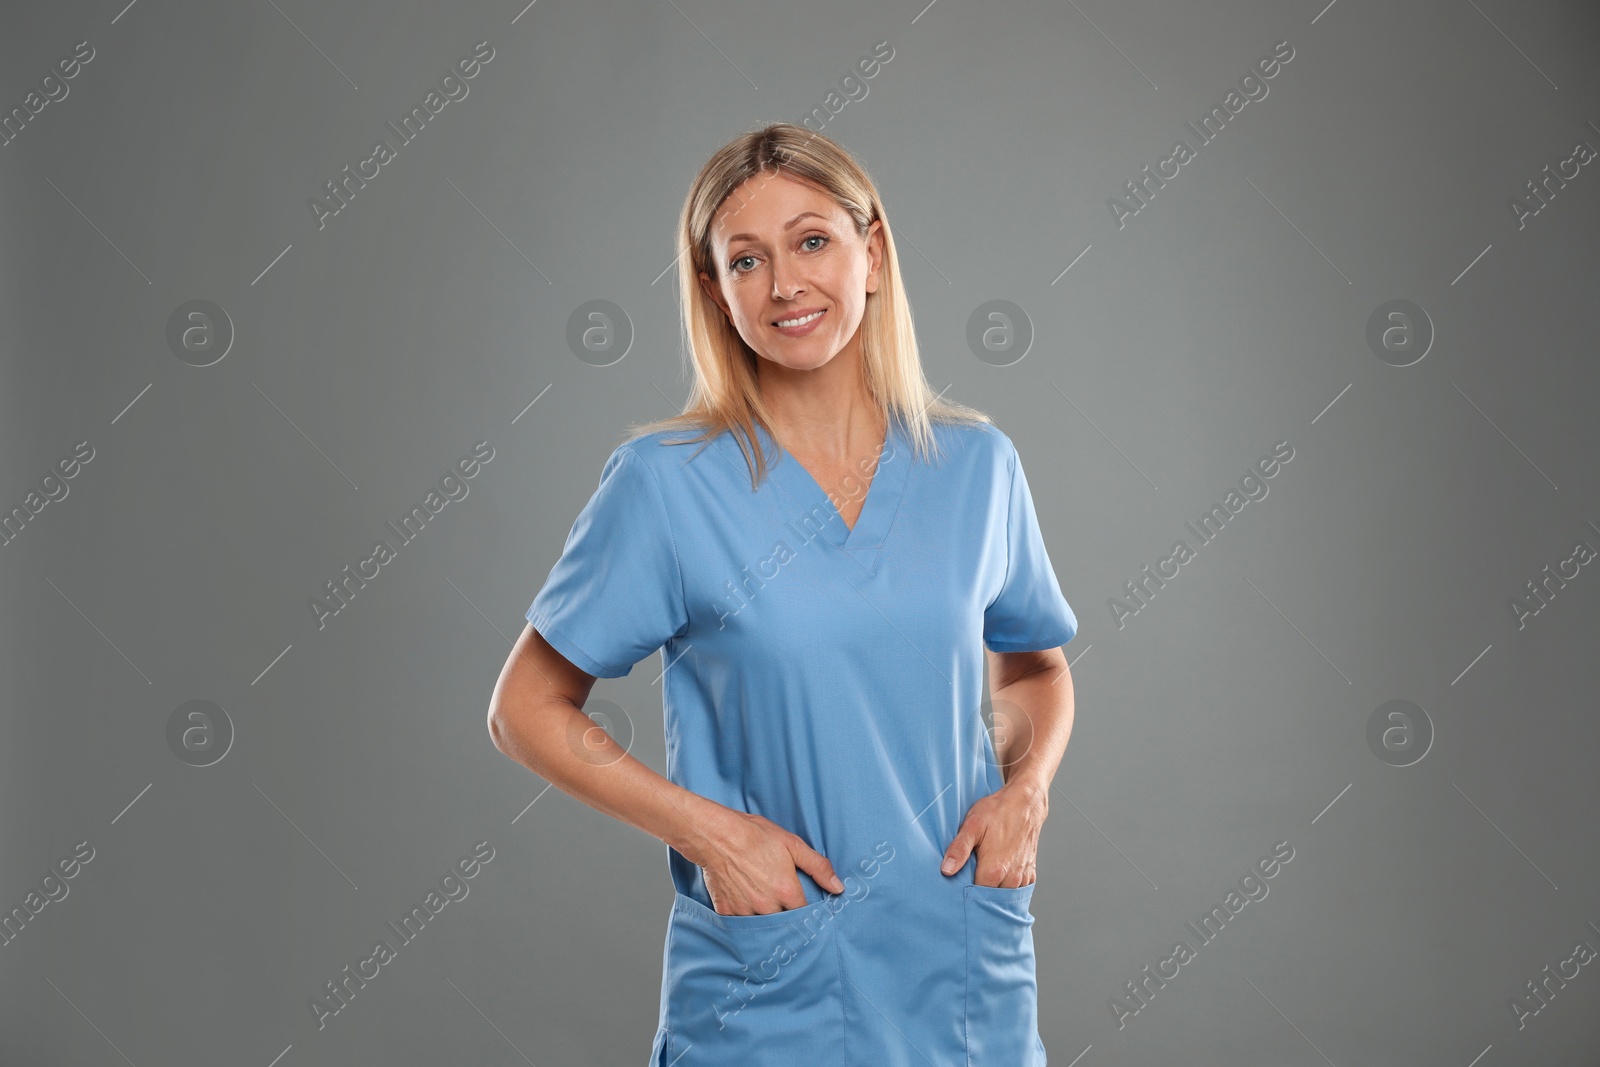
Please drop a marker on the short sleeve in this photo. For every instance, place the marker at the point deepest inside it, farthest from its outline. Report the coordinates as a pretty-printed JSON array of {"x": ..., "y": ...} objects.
[
  {"x": 1029, "y": 614},
  {"x": 616, "y": 593}
]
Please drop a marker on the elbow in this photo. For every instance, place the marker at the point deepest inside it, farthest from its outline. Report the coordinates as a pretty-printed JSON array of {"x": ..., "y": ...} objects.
[
  {"x": 497, "y": 728},
  {"x": 517, "y": 731}
]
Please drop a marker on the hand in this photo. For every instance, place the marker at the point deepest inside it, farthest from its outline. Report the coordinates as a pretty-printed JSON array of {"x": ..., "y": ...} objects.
[
  {"x": 1004, "y": 828},
  {"x": 752, "y": 871}
]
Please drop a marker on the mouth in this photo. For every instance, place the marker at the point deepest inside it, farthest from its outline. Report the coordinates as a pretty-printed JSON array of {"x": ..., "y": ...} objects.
[{"x": 800, "y": 323}]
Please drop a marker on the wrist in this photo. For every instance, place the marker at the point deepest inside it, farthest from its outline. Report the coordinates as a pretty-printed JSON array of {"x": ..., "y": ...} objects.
[
  {"x": 704, "y": 829},
  {"x": 1031, "y": 787}
]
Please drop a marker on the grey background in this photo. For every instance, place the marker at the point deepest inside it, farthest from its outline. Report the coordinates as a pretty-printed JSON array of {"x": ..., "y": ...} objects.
[{"x": 1228, "y": 315}]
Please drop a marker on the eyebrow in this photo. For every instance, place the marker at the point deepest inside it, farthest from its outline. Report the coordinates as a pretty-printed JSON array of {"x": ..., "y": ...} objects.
[{"x": 787, "y": 226}]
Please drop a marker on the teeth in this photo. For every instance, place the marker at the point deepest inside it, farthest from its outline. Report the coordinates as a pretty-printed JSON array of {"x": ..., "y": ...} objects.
[{"x": 800, "y": 321}]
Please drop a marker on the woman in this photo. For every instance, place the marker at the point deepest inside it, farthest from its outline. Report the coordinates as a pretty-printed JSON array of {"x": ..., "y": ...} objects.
[{"x": 852, "y": 856}]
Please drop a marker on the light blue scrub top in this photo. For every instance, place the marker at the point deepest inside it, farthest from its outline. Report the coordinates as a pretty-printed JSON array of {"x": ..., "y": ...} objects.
[{"x": 830, "y": 679}]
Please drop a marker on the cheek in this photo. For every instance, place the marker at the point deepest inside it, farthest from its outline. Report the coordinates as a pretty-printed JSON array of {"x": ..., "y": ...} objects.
[
  {"x": 852, "y": 296},
  {"x": 747, "y": 321},
  {"x": 853, "y": 283},
  {"x": 746, "y": 313}
]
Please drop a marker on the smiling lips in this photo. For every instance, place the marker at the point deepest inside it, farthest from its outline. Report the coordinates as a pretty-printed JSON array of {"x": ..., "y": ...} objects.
[{"x": 798, "y": 325}]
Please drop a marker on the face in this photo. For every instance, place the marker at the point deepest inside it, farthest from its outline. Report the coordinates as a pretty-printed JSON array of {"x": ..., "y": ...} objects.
[{"x": 783, "y": 251}]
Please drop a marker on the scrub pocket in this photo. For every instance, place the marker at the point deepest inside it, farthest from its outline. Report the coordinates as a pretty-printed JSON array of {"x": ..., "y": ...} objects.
[
  {"x": 753, "y": 990},
  {"x": 1002, "y": 988}
]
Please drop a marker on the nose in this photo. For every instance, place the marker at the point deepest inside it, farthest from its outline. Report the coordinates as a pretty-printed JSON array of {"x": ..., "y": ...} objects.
[{"x": 785, "y": 280}]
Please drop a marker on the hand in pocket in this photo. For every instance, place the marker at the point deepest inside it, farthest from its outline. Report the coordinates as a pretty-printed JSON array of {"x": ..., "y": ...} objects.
[{"x": 754, "y": 869}]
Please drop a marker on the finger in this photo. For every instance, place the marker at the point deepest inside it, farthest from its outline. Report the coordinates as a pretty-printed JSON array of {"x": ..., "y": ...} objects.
[
  {"x": 955, "y": 857},
  {"x": 1000, "y": 874},
  {"x": 817, "y": 866}
]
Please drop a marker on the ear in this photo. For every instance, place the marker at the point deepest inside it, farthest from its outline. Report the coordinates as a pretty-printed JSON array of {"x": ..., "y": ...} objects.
[
  {"x": 714, "y": 291},
  {"x": 874, "y": 254}
]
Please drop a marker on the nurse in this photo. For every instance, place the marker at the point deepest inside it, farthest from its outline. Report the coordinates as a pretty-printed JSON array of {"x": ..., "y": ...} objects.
[{"x": 827, "y": 553}]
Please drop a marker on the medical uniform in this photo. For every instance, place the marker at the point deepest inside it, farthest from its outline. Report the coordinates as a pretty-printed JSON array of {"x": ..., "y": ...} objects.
[{"x": 829, "y": 678}]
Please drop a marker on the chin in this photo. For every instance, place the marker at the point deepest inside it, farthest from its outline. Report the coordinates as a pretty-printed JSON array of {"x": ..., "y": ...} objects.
[{"x": 793, "y": 362}]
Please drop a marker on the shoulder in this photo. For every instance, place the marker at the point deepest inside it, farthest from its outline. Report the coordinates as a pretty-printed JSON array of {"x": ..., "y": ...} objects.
[
  {"x": 648, "y": 443},
  {"x": 658, "y": 457},
  {"x": 980, "y": 441}
]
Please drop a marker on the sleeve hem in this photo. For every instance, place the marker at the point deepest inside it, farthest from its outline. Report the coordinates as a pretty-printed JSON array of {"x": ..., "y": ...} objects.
[
  {"x": 1054, "y": 639},
  {"x": 577, "y": 656}
]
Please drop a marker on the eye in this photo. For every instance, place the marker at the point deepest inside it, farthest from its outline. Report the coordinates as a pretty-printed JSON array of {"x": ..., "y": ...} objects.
[
  {"x": 814, "y": 237},
  {"x": 734, "y": 266}
]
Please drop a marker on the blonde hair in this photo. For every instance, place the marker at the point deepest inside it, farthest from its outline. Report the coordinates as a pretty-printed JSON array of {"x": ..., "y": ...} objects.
[{"x": 724, "y": 393}]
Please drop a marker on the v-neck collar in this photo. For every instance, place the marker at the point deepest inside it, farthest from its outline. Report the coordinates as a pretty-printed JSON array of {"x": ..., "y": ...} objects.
[{"x": 801, "y": 493}]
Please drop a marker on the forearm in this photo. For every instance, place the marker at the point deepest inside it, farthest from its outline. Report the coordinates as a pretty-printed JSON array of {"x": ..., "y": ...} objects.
[
  {"x": 557, "y": 741},
  {"x": 1039, "y": 712}
]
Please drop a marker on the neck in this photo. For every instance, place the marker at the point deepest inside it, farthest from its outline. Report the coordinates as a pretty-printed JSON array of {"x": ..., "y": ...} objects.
[{"x": 827, "y": 413}]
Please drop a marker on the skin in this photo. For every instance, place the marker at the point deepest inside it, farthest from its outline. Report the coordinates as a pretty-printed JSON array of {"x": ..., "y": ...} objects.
[{"x": 772, "y": 260}]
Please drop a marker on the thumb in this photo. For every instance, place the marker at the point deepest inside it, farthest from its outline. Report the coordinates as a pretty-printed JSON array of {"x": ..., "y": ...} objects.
[
  {"x": 817, "y": 866},
  {"x": 955, "y": 857}
]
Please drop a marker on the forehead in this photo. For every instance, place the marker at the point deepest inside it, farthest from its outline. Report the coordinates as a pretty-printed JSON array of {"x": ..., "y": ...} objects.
[{"x": 762, "y": 205}]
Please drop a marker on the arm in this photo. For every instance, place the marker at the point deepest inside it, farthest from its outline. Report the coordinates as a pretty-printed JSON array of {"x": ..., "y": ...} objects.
[
  {"x": 1032, "y": 697},
  {"x": 536, "y": 717}
]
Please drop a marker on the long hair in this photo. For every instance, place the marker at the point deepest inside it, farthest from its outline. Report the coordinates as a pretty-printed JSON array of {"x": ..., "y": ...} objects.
[{"x": 724, "y": 394}]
